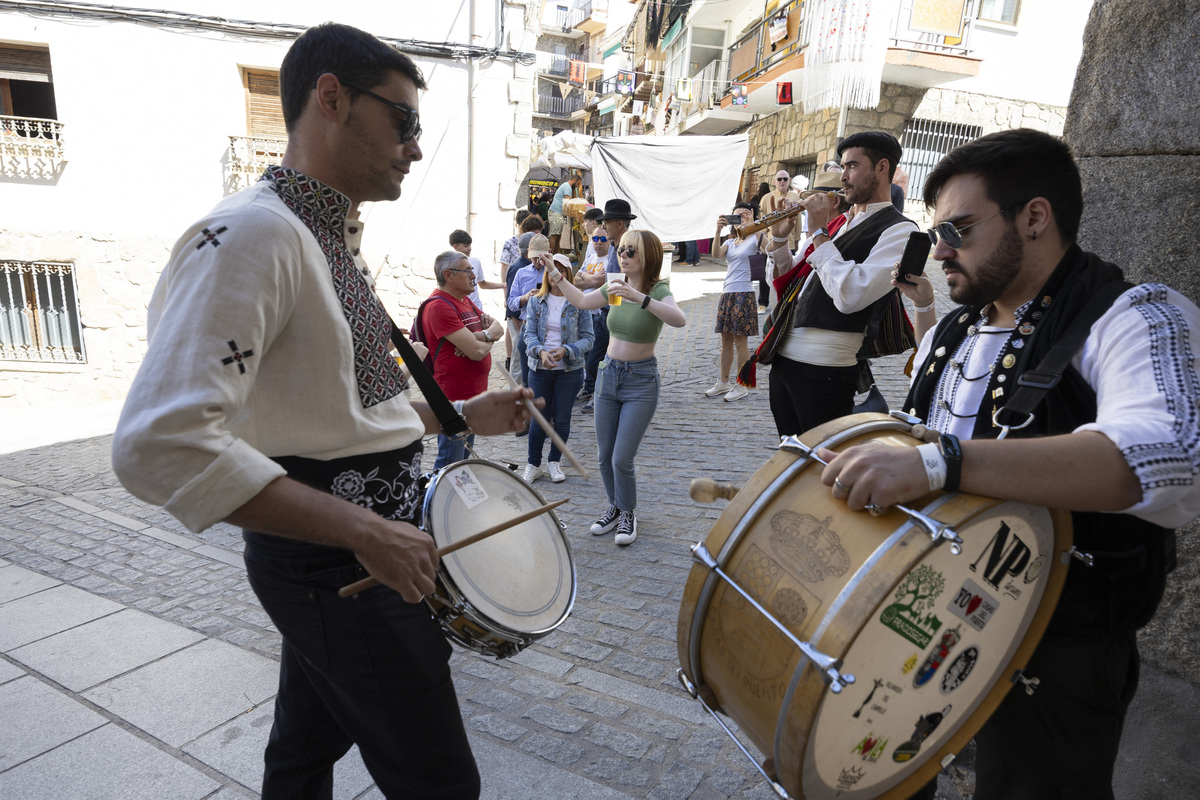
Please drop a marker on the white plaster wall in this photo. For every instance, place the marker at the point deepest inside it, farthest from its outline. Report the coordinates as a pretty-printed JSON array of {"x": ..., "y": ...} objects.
[
  {"x": 147, "y": 113},
  {"x": 1036, "y": 59}
]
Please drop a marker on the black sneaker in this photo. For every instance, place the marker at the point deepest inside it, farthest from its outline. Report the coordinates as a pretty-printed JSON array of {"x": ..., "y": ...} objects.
[
  {"x": 607, "y": 522},
  {"x": 626, "y": 528}
]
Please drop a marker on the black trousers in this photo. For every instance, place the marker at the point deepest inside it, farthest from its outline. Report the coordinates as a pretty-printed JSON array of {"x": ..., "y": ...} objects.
[
  {"x": 804, "y": 396},
  {"x": 598, "y": 350},
  {"x": 370, "y": 670}
]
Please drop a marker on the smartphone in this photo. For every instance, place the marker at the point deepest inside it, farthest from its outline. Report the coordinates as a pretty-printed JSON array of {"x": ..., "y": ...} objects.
[
  {"x": 916, "y": 251},
  {"x": 732, "y": 219}
]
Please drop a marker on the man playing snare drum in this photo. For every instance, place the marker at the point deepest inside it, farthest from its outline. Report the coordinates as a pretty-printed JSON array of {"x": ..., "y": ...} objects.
[
  {"x": 268, "y": 399},
  {"x": 1116, "y": 441}
]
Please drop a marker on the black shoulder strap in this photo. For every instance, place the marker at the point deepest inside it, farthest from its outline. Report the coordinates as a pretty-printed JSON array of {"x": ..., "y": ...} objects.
[
  {"x": 451, "y": 421},
  {"x": 1033, "y": 384}
]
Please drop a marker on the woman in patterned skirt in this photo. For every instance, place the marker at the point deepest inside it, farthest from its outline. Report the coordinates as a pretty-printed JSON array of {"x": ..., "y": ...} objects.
[{"x": 737, "y": 312}]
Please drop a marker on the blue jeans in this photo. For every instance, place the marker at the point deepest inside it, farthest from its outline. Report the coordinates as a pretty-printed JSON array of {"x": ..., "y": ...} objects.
[
  {"x": 599, "y": 348},
  {"x": 559, "y": 387},
  {"x": 522, "y": 355},
  {"x": 626, "y": 397},
  {"x": 452, "y": 449}
]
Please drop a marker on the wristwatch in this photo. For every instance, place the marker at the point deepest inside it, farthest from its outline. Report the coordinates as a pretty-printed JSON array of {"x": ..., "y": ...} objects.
[
  {"x": 487, "y": 335},
  {"x": 952, "y": 455},
  {"x": 821, "y": 232}
]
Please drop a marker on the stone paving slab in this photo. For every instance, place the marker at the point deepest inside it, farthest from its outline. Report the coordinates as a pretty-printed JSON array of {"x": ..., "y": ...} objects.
[
  {"x": 107, "y": 763},
  {"x": 37, "y": 719},
  {"x": 185, "y": 695},
  {"x": 18, "y": 582},
  {"x": 96, "y": 651},
  {"x": 48, "y": 612}
]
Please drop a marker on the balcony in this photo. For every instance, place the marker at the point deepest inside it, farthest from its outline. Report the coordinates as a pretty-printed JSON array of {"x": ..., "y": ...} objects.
[
  {"x": 563, "y": 22},
  {"x": 703, "y": 114},
  {"x": 249, "y": 156},
  {"x": 557, "y": 63},
  {"x": 561, "y": 107},
  {"x": 593, "y": 17},
  {"x": 32, "y": 150}
]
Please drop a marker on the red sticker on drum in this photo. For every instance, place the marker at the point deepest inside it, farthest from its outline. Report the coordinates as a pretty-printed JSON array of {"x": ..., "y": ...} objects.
[{"x": 973, "y": 605}]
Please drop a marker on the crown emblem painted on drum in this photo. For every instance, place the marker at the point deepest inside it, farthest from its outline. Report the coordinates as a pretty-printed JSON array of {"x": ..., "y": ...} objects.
[{"x": 807, "y": 546}]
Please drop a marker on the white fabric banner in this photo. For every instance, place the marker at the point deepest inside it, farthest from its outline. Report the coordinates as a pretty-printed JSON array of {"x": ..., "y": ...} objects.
[
  {"x": 677, "y": 185},
  {"x": 843, "y": 64}
]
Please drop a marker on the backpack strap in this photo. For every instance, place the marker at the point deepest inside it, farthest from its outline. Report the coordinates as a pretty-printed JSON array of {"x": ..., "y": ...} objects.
[{"x": 452, "y": 422}]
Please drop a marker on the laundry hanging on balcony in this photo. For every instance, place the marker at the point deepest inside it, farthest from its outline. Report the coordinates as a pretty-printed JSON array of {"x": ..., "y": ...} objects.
[
  {"x": 777, "y": 31},
  {"x": 843, "y": 64}
]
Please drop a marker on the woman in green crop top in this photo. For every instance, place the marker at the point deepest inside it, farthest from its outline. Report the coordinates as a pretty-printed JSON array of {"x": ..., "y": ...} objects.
[{"x": 627, "y": 384}]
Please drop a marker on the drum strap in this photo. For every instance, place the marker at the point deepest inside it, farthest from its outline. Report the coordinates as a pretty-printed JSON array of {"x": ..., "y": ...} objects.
[
  {"x": 1033, "y": 384},
  {"x": 453, "y": 423}
]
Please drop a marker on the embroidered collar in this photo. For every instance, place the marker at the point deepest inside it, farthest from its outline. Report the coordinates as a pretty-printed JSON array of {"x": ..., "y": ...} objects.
[{"x": 308, "y": 198}]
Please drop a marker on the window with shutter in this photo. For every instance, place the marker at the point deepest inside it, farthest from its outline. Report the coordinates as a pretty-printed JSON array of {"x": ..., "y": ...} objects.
[
  {"x": 264, "y": 113},
  {"x": 26, "y": 82}
]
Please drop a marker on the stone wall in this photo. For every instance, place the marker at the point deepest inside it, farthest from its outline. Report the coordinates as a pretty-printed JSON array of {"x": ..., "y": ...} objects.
[
  {"x": 792, "y": 136},
  {"x": 1133, "y": 125}
]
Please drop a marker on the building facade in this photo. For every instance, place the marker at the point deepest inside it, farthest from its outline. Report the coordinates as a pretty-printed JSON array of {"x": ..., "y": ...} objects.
[{"x": 118, "y": 133}]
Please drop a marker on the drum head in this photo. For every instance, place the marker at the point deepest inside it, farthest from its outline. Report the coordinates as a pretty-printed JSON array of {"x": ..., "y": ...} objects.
[
  {"x": 934, "y": 658},
  {"x": 523, "y": 578}
]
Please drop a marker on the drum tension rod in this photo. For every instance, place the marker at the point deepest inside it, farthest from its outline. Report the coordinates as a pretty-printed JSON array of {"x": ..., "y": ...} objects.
[
  {"x": 690, "y": 688},
  {"x": 936, "y": 530},
  {"x": 828, "y": 665}
]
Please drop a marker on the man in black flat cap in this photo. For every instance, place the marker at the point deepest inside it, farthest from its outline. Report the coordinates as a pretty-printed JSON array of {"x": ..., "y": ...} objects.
[{"x": 814, "y": 369}]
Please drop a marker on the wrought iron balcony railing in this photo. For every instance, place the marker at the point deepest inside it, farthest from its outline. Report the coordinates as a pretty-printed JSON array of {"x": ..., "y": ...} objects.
[
  {"x": 248, "y": 157},
  {"x": 31, "y": 148},
  {"x": 559, "y": 106}
]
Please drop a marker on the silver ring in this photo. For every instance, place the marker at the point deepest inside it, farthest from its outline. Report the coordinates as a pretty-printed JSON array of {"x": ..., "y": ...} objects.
[{"x": 838, "y": 483}]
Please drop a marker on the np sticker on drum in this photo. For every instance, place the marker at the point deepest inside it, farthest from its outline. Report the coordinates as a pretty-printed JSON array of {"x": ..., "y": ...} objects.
[{"x": 467, "y": 487}]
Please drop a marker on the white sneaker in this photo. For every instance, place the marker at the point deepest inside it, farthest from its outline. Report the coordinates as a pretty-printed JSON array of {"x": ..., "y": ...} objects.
[
  {"x": 626, "y": 529},
  {"x": 736, "y": 393},
  {"x": 719, "y": 388},
  {"x": 532, "y": 473},
  {"x": 556, "y": 473}
]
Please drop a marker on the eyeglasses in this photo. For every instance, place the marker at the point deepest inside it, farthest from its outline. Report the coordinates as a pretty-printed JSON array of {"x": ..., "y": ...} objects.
[
  {"x": 459, "y": 269},
  {"x": 781, "y": 180},
  {"x": 410, "y": 128},
  {"x": 628, "y": 252},
  {"x": 599, "y": 239},
  {"x": 953, "y": 236}
]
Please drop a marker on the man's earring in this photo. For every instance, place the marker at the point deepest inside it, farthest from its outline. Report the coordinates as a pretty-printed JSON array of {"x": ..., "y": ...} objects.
[{"x": 1034, "y": 236}]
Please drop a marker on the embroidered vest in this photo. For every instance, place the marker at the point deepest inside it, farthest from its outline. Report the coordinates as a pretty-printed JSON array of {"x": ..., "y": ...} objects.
[
  {"x": 1122, "y": 591},
  {"x": 815, "y": 308}
]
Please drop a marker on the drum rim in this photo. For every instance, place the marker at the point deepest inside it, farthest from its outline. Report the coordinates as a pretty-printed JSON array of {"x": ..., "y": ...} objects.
[{"x": 459, "y": 598}]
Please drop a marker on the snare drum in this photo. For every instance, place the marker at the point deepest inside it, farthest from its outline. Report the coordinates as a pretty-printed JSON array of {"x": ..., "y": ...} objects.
[
  {"x": 935, "y": 639},
  {"x": 497, "y": 595}
]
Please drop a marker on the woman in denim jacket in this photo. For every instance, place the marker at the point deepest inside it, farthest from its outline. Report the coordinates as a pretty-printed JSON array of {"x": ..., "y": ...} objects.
[{"x": 557, "y": 338}]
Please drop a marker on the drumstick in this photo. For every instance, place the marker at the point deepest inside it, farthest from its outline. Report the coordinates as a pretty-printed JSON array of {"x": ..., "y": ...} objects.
[
  {"x": 549, "y": 429},
  {"x": 367, "y": 583},
  {"x": 704, "y": 490}
]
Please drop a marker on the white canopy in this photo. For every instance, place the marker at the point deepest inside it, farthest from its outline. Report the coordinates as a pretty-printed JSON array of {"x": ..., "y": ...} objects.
[{"x": 562, "y": 150}]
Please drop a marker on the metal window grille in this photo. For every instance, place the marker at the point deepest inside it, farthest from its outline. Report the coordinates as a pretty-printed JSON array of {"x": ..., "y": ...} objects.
[
  {"x": 925, "y": 141},
  {"x": 39, "y": 312}
]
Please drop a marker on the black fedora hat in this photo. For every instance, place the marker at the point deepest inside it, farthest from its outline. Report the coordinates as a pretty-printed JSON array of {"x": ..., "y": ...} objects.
[{"x": 618, "y": 209}]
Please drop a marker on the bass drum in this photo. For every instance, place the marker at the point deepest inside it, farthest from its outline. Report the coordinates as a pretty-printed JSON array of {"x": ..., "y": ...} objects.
[
  {"x": 497, "y": 595},
  {"x": 934, "y": 638}
]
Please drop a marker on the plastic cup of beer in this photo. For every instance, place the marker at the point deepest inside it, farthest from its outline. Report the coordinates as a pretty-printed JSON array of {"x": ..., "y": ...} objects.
[{"x": 615, "y": 299}]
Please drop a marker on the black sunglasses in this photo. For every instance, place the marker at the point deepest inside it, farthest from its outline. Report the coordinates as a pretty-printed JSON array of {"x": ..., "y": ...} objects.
[
  {"x": 628, "y": 252},
  {"x": 953, "y": 236},
  {"x": 410, "y": 128}
]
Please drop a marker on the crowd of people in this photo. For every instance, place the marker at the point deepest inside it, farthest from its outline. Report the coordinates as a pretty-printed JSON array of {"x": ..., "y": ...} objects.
[{"x": 313, "y": 445}]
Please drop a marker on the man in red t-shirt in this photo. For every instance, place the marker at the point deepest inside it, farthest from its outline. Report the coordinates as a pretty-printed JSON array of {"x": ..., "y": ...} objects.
[{"x": 462, "y": 336}]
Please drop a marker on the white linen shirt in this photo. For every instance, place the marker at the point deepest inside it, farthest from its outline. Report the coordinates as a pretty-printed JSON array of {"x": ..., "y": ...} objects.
[
  {"x": 1139, "y": 358},
  {"x": 251, "y": 355}
]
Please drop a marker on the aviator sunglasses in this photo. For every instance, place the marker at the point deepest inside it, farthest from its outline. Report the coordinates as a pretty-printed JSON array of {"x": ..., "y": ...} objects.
[
  {"x": 628, "y": 252},
  {"x": 410, "y": 128},
  {"x": 953, "y": 236}
]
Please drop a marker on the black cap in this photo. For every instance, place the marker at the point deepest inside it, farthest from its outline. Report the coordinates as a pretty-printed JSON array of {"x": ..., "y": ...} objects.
[{"x": 876, "y": 140}]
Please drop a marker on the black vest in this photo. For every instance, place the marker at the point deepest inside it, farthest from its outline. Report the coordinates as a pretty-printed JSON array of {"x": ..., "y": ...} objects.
[
  {"x": 814, "y": 306},
  {"x": 1122, "y": 591}
]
